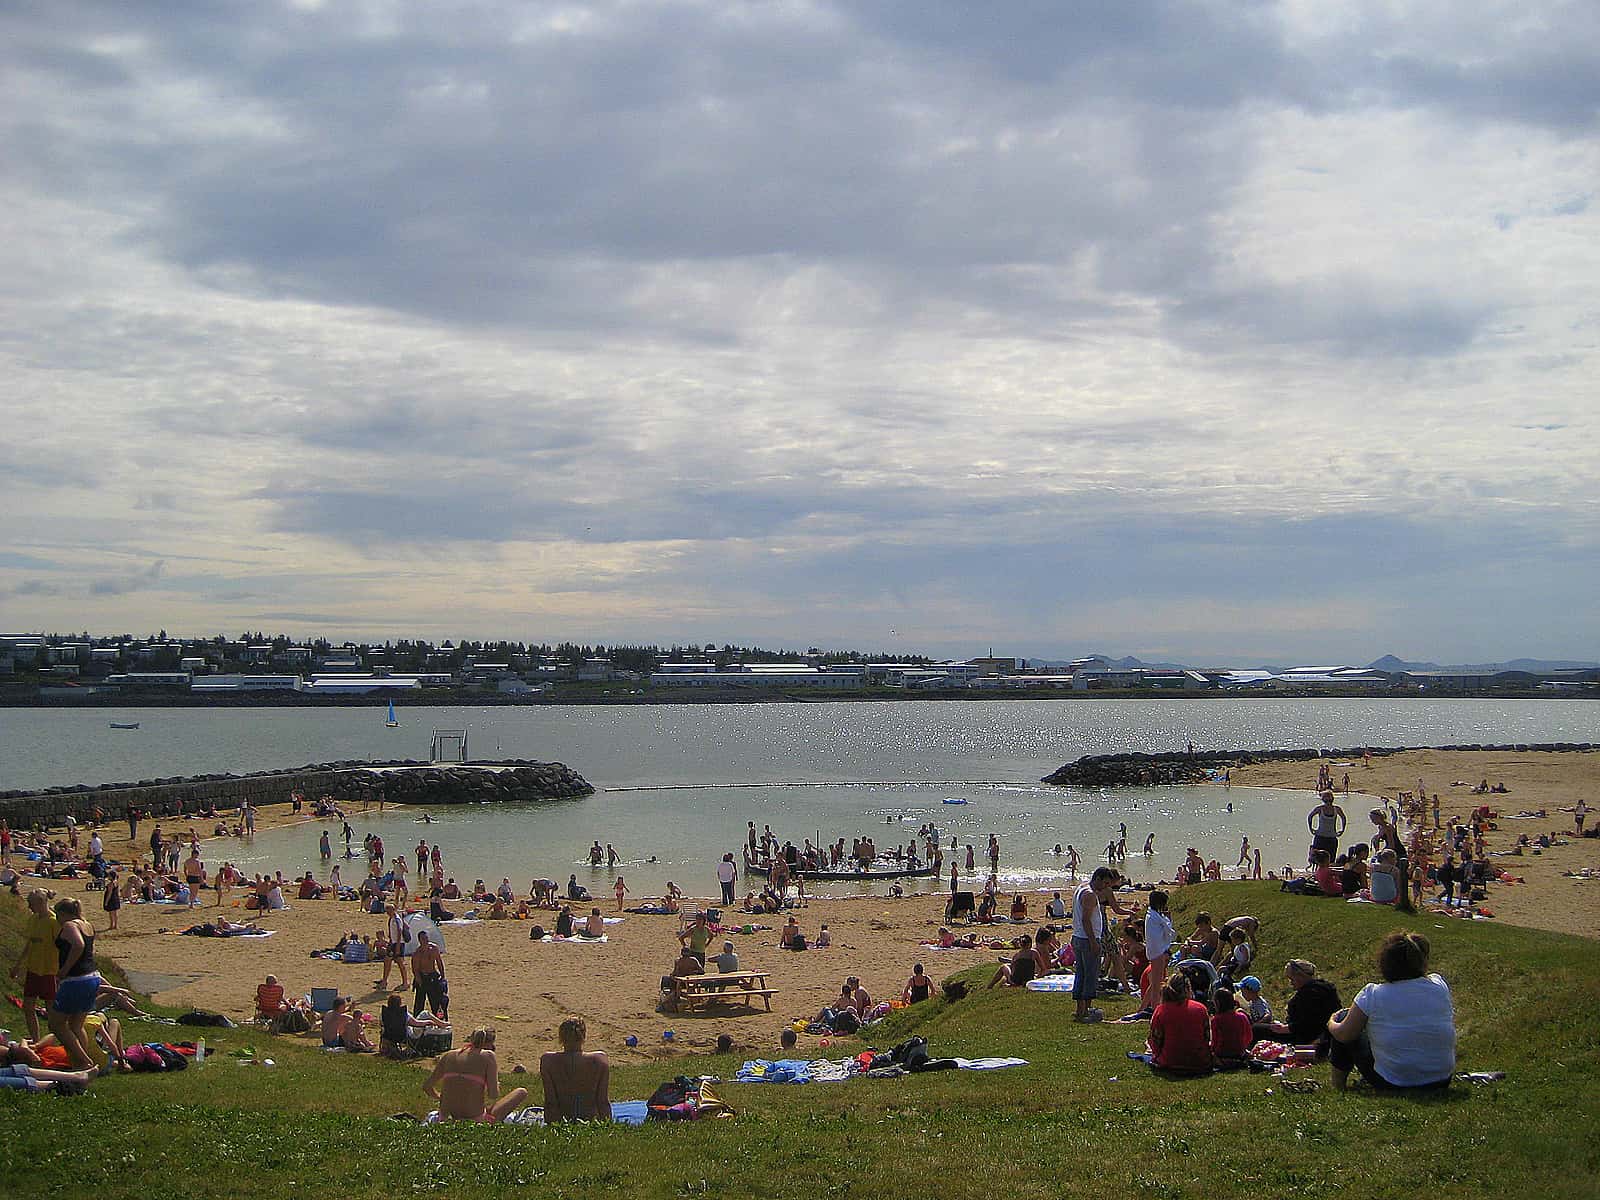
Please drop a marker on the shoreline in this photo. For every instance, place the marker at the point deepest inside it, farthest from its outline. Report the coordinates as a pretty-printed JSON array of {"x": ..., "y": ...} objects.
[
  {"x": 277, "y": 699},
  {"x": 523, "y": 989}
]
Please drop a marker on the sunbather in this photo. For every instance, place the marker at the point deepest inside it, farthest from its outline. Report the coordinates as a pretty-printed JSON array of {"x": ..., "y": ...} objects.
[
  {"x": 577, "y": 1083},
  {"x": 466, "y": 1083}
]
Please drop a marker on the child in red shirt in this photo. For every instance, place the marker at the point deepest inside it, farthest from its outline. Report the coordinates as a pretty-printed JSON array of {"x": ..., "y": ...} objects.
[{"x": 1231, "y": 1032}]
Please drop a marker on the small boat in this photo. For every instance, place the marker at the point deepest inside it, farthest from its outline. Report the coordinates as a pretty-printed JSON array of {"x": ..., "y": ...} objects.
[
  {"x": 954, "y": 800},
  {"x": 393, "y": 722},
  {"x": 122, "y": 725}
]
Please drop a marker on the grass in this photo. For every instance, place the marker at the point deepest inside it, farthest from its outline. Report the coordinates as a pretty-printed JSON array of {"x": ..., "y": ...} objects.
[{"x": 1081, "y": 1119}]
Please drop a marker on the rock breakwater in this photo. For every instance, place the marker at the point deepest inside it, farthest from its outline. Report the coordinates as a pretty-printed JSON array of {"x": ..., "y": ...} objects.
[{"x": 408, "y": 782}]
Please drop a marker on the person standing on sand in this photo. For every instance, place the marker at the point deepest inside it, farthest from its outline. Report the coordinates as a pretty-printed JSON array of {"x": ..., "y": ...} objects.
[
  {"x": 1256, "y": 874},
  {"x": 1580, "y": 813},
  {"x": 954, "y": 879},
  {"x": 622, "y": 890},
  {"x": 427, "y": 973}
]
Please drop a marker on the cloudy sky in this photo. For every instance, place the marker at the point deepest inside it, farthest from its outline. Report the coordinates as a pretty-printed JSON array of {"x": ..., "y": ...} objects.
[{"x": 1225, "y": 331}]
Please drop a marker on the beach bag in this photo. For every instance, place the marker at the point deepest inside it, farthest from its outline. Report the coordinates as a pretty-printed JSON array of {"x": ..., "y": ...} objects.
[
  {"x": 356, "y": 952},
  {"x": 432, "y": 1043},
  {"x": 669, "y": 1094},
  {"x": 142, "y": 1058},
  {"x": 798, "y": 942},
  {"x": 846, "y": 1021},
  {"x": 293, "y": 1021},
  {"x": 912, "y": 1054}
]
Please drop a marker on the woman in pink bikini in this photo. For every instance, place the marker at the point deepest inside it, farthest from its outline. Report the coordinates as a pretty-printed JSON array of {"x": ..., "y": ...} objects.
[{"x": 466, "y": 1083}]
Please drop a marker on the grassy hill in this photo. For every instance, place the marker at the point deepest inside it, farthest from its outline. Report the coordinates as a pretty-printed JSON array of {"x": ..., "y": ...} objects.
[{"x": 1082, "y": 1119}]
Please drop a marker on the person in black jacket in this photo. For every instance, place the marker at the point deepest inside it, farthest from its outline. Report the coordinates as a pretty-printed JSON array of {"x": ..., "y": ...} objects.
[{"x": 1313, "y": 1001}]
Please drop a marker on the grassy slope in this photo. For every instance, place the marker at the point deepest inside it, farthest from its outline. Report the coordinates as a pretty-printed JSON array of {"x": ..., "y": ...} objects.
[{"x": 1081, "y": 1119}]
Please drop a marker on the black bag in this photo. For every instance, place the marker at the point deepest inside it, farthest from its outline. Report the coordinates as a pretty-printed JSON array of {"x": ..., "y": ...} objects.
[
  {"x": 171, "y": 1059},
  {"x": 799, "y": 942},
  {"x": 205, "y": 1018},
  {"x": 955, "y": 989},
  {"x": 912, "y": 1054},
  {"x": 293, "y": 1021},
  {"x": 846, "y": 1021}
]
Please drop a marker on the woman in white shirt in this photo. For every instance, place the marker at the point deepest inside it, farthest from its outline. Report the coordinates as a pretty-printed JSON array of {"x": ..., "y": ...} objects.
[{"x": 1401, "y": 1033}]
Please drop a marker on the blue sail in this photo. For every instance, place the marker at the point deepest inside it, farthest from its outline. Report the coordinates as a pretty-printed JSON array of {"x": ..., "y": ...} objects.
[{"x": 392, "y": 722}]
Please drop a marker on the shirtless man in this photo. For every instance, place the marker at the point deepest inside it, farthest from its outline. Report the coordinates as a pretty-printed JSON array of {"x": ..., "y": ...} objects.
[
  {"x": 577, "y": 1083},
  {"x": 466, "y": 1083},
  {"x": 427, "y": 972}
]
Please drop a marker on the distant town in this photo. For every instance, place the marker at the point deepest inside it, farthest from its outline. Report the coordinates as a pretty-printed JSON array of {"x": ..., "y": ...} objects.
[{"x": 261, "y": 668}]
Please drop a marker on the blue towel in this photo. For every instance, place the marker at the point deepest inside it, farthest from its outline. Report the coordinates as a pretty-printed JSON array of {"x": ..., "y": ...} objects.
[{"x": 629, "y": 1112}]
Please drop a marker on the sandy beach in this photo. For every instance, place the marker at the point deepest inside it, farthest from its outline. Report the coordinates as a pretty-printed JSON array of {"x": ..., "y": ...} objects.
[
  {"x": 1534, "y": 780},
  {"x": 498, "y": 977}
]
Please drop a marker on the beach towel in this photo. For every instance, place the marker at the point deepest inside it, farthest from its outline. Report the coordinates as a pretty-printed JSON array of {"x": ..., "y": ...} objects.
[
  {"x": 786, "y": 1070},
  {"x": 988, "y": 1064},
  {"x": 574, "y": 940},
  {"x": 1051, "y": 983},
  {"x": 211, "y": 931},
  {"x": 462, "y": 921}
]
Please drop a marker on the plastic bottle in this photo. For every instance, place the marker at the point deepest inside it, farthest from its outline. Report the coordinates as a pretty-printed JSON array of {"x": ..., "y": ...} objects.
[{"x": 200, "y": 1053}]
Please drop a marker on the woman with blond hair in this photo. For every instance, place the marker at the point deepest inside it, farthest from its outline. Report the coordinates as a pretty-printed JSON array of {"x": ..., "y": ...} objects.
[
  {"x": 577, "y": 1083},
  {"x": 466, "y": 1083}
]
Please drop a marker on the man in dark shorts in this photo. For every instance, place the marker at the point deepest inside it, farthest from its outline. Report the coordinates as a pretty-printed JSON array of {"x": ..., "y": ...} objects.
[{"x": 1326, "y": 822}]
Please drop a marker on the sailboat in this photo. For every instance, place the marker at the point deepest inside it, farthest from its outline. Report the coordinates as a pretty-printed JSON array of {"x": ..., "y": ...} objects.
[{"x": 392, "y": 721}]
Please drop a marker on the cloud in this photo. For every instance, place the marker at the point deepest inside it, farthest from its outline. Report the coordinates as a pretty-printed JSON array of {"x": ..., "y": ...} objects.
[{"x": 949, "y": 319}]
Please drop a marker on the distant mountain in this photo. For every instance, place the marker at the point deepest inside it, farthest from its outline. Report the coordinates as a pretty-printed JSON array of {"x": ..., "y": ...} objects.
[
  {"x": 1391, "y": 664},
  {"x": 1533, "y": 666}
]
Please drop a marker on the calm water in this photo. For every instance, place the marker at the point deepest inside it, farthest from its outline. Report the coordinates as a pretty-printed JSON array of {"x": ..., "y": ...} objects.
[{"x": 679, "y": 782}]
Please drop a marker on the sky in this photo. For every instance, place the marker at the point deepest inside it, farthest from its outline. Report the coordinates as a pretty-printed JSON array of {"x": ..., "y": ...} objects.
[{"x": 1213, "y": 332}]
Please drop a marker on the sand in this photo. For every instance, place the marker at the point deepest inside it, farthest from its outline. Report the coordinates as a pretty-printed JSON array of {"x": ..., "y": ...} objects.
[
  {"x": 523, "y": 989},
  {"x": 1535, "y": 780}
]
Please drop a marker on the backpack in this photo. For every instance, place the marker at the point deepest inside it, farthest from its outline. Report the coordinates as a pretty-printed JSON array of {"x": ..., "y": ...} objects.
[
  {"x": 911, "y": 1053},
  {"x": 143, "y": 1058},
  {"x": 846, "y": 1021},
  {"x": 798, "y": 942},
  {"x": 293, "y": 1021}
]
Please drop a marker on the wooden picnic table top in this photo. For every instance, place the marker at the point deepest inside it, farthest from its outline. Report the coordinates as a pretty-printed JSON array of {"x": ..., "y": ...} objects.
[{"x": 717, "y": 977}]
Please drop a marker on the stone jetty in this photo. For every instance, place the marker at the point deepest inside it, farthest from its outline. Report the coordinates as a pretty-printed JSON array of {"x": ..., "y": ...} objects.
[
  {"x": 408, "y": 782},
  {"x": 1179, "y": 766}
]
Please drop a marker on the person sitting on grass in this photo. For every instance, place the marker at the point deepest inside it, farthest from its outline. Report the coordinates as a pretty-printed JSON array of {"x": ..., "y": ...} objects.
[
  {"x": 918, "y": 988},
  {"x": 1231, "y": 1032},
  {"x": 1399, "y": 1034},
  {"x": 577, "y": 1083},
  {"x": 1180, "y": 1031},
  {"x": 1236, "y": 961},
  {"x": 1313, "y": 1001},
  {"x": 270, "y": 1000},
  {"x": 341, "y": 1029},
  {"x": 466, "y": 1083},
  {"x": 1384, "y": 883},
  {"x": 1206, "y": 941},
  {"x": 787, "y": 1041},
  {"x": 1254, "y": 1004}
]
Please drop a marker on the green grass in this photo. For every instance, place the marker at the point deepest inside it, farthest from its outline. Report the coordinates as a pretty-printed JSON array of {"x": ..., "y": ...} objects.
[{"x": 1081, "y": 1119}]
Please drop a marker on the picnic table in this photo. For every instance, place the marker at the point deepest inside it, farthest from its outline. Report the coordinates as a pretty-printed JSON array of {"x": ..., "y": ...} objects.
[{"x": 719, "y": 988}]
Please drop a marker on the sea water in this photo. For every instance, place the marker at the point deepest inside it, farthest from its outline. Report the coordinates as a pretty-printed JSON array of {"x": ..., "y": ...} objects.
[{"x": 677, "y": 783}]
